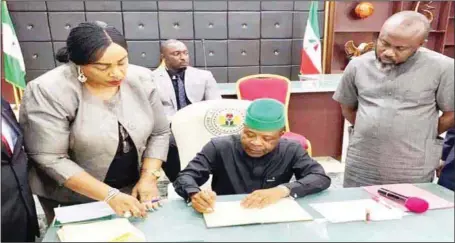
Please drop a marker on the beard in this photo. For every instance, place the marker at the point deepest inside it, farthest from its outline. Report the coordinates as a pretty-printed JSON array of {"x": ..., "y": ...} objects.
[
  {"x": 388, "y": 66},
  {"x": 384, "y": 66}
]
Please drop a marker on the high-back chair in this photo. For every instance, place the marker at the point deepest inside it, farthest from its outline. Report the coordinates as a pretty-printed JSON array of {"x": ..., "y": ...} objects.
[
  {"x": 275, "y": 87},
  {"x": 194, "y": 126},
  {"x": 258, "y": 86}
]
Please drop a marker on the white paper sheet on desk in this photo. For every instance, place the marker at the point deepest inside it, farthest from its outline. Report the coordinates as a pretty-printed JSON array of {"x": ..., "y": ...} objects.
[
  {"x": 117, "y": 230},
  {"x": 232, "y": 213},
  {"x": 355, "y": 210},
  {"x": 83, "y": 212}
]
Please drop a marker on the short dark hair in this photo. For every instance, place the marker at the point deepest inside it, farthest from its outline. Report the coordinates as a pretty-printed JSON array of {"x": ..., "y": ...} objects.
[{"x": 87, "y": 42}]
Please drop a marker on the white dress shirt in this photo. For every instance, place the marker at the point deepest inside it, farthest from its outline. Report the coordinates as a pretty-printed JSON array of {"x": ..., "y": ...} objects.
[{"x": 9, "y": 133}]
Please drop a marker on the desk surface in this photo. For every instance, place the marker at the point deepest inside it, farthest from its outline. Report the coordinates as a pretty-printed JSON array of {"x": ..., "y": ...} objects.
[
  {"x": 177, "y": 222},
  {"x": 318, "y": 83}
]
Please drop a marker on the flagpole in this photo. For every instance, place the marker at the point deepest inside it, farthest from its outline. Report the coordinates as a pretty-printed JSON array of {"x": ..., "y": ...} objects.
[
  {"x": 329, "y": 14},
  {"x": 16, "y": 98}
]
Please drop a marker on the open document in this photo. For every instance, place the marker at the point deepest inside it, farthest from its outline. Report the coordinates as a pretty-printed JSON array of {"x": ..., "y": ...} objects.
[
  {"x": 114, "y": 230},
  {"x": 355, "y": 210},
  {"x": 232, "y": 213}
]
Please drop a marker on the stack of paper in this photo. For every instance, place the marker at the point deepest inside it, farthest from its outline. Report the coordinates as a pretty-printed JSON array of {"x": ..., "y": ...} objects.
[
  {"x": 232, "y": 213},
  {"x": 83, "y": 212},
  {"x": 355, "y": 210},
  {"x": 115, "y": 230}
]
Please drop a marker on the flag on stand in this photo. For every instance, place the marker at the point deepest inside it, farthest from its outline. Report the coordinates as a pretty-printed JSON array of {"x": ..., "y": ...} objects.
[
  {"x": 311, "y": 51},
  {"x": 13, "y": 61}
]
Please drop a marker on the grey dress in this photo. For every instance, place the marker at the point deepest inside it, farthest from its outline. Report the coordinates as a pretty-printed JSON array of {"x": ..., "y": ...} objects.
[
  {"x": 67, "y": 130},
  {"x": 395, "y": 138}
]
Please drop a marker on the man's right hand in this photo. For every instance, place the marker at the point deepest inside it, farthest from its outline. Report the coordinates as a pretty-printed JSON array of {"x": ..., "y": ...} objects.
[
  {"x": 440, "y": 167},
  {"x": 204, "y": 201},
  {"x": 122, "y": 203}
]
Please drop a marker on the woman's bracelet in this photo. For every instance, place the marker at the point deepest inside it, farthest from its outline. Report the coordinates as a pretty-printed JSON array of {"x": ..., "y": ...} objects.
[{"x": 111, "y": 193}]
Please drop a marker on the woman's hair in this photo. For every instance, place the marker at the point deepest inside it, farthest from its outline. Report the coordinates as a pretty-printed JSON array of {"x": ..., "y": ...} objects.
[{"x": 87, "y": 42}]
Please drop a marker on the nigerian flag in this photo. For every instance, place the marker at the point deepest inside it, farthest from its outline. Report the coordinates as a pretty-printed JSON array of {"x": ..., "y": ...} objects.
[
  {"x": 311, "y": 51},
  {"x": 13, "y": 61}
]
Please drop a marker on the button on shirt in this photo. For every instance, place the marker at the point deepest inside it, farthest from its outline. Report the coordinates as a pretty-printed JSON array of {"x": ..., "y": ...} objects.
[{"x": 9, "y": 134}]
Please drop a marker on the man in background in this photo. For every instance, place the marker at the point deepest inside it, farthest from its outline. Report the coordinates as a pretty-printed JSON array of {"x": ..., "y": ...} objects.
[
  {"x": 393, "y": 96},
  {"x": 446, "y": 173},
  {"x": 180, "y": 85},
  {"x": 19, "y": 220}
]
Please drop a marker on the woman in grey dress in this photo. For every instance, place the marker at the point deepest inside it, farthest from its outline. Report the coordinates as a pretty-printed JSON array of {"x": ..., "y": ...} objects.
[{"x": 94, "y": 127}]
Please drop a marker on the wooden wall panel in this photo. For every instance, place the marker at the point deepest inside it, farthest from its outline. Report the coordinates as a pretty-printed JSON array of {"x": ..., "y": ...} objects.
[{"x": 346, "y": 22}]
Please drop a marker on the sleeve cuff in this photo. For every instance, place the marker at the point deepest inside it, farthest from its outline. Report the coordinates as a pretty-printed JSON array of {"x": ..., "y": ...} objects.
[
  {"x": 62, "y": 170},
  {"x": 189, "y": 192},
  {"x": 157, "y": 148},
  {"x": 291, "y": 186},
  {"x": 344, "y": 100}
]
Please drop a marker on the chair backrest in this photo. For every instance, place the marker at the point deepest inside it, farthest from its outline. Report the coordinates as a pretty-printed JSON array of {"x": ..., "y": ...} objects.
[
  {"x": 265, "y": 86},
  {"x": 194, "y": 125}
]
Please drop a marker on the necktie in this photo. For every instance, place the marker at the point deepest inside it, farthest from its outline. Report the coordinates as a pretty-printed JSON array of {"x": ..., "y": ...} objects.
[
  {"x": 181, "y": 92},
  {"x": 8, "y": 148}
]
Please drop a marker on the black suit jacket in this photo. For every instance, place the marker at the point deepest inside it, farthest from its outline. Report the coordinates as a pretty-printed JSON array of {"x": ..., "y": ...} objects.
[{"x": 19, "y": 220}]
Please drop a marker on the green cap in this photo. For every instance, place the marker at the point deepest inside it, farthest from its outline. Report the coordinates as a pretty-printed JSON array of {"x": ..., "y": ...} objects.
[{"x": 265, "y": 115}]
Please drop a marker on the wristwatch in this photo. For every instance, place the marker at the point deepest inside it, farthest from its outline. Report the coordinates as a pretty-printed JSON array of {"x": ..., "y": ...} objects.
[{"x": 155, "y": 173}]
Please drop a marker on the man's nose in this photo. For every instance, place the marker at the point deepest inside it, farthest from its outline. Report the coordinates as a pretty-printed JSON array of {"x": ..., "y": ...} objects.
[
  {"x": 389, "y": 53},
  {"x": 256, "y": 141}
]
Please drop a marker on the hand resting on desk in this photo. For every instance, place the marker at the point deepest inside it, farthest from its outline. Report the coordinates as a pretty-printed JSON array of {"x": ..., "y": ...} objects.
[
  {"x": 264, "y": 197},
  {"x": 204, "y": 201},
  {"x": 123, "y": 202}
]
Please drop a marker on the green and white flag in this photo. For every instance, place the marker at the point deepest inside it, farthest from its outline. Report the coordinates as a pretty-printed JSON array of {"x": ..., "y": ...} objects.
[
  {"x": 13, "y": 61},
  {"x": 311, "y": 49}
]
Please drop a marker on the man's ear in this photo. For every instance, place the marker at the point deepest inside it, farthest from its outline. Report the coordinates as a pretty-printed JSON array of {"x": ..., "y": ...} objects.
[{"x": 282, "y": 132}]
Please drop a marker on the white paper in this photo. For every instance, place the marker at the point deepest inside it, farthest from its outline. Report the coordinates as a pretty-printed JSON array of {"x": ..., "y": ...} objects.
[
  {"x": 101, "y": 231},
  {"x": 355, "y": 210},
  {"x": 232, "y": 213},
  {"x": 82, "y": 212}
]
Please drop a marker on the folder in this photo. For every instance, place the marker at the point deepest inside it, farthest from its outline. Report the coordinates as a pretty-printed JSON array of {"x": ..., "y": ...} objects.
[{"x": 114, "y": 230}]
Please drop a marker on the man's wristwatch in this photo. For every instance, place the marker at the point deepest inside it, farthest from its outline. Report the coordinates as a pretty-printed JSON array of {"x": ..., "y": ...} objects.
[{"x": 155, "y": 173}]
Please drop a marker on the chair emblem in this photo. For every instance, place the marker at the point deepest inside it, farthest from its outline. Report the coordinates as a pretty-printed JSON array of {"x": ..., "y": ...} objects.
[{"x": 224, "y": 121}]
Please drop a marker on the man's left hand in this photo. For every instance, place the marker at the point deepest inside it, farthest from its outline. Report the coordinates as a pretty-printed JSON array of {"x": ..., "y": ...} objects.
[
  {"x": 264, "y": 197},
  {"x": 146, "y": 190},
  {"x": 440, "y": 167}
]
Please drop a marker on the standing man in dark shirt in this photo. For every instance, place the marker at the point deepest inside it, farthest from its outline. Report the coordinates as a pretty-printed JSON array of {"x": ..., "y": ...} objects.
[
  {"x": 180, "y": 85},
  {"x": 19, "y": 220},
  {"x": 446, "y": 173},
  {"x": 257, "y": 162}
]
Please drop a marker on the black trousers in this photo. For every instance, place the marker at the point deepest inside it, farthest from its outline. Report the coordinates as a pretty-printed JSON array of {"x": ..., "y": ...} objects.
[{"x": 172, "y": 165}]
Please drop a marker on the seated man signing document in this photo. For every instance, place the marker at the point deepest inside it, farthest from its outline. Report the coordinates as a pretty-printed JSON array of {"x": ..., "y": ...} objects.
[{"x": 256, "y": 162}]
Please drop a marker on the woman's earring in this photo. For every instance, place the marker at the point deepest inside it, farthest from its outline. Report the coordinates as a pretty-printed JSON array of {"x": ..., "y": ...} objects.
[{"x": 80, "y": 76}]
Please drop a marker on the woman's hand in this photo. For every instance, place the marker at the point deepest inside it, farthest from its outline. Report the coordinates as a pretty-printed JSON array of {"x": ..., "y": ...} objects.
[
  {"x": 146, "y": 190},
  {"x": 123, "y": 203}
]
